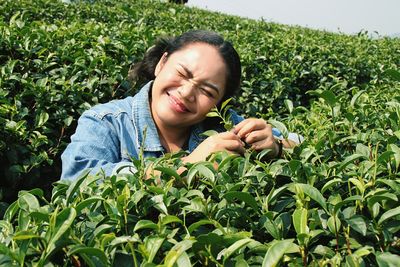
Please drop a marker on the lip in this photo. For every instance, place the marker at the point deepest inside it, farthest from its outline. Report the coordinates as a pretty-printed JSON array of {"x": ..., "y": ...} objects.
[{"x": 177, "y": 104}]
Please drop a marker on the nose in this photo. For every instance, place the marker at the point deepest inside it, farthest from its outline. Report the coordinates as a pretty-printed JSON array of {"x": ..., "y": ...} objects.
[{"x": 187, "y": 91}]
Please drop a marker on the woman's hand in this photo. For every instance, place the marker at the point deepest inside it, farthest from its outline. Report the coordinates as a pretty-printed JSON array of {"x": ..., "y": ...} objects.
[
  {"x": 227, "y": 141},
  {"x": 258, "y": 134}
]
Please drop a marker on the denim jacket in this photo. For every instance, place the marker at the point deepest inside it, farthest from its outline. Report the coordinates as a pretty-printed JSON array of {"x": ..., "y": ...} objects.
[{"x": 109, "y": 134}]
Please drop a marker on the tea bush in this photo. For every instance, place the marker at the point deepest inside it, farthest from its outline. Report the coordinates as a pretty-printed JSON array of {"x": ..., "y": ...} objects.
[{"x": 333, "y": 200}]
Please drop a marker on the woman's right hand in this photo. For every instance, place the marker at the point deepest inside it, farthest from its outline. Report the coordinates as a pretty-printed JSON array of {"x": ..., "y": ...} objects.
[{"x": 227, "y": 141}]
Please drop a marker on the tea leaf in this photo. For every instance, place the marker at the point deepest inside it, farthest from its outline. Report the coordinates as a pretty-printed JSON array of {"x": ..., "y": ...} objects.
[
  {"x": 243, "y": 196},
  {"x": 153, "y": 244},
  {"x": 389, "y": 214},
  {"x": 233, "y": 248},
  {"x": 311, "y": 191},
  {"x": 300, "y": 220},
  {"x": 145, "y": 224},
  {"x": 387, "y": 259},
  {"x": 63, "y": 223},
  {"x": 177, "y": 251},
  {"x": 276, "y": 252},
  {"x": 90, "y": 251}
]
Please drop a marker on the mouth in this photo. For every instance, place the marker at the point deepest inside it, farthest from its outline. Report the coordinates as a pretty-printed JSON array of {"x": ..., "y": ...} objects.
[{"x": 176, "y": 104}]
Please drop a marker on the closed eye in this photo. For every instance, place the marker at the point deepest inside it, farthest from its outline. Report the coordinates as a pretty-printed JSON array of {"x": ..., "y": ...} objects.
[
  {"x": 206, "y": 92},
  {"x": 181, "y": 74}
]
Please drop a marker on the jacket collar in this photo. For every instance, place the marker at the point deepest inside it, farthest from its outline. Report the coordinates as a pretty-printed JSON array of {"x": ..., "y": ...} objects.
[{"x": 146, "y": 130}]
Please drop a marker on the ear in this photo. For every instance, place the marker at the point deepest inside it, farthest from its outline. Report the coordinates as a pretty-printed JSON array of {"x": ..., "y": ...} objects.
[{"x": 160, "y": 64}]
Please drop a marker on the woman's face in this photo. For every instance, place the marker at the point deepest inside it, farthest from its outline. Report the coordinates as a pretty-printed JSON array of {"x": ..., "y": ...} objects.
[{"x": 188, "y": 83}]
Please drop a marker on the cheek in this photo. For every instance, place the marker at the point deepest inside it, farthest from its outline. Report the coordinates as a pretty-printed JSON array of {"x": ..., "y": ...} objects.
[{"x": 206, "y": 104}]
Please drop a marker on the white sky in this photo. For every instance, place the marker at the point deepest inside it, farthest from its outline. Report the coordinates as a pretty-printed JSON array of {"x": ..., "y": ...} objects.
[{"x": 346, "y": 16}]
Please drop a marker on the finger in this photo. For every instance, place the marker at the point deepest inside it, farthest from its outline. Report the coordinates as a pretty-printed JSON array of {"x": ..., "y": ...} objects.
[
  {"x": 265, "y": 144},
  {"x": 235, "y": 146},
  {"x": 227, "y": 136},
  {"x": 249, "y": 126},
  {"x": 257, "y": 136}
]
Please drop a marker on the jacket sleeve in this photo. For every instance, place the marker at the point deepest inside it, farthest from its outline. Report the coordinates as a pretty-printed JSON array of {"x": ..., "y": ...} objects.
[{"x": 96, "y": 146}]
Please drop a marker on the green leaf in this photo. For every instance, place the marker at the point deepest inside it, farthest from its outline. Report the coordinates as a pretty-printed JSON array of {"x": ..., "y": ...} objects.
[
  {"x": 385, "y": 157},
  {"x": 396, "y": 154},
  {"x": 177, "y": 251},
  {"x": 212, "y": 114},
  {"x": 352, "y": 261},
  {"x": 389, "y": 214},
  {"x": 330, "y": 183},
  {"x": 26, "y": 235},
  {"x": 276, "y": 252},
  {"x": 123, "y": 240},
  {"x": 170, "y": 219},
  {"x": 225, "y": 103},
  {"x": 87, "y": 202},
  {"x": 197, "y": 224},
  {"x": 356, "y": 97},
  {"x": 196, "y": 205},
  {"x": 158, "y": 203},
  {"x": 363, "y": 150},
  {"x": 145, "y": 224},
  {"x": 300, "y": 221},
  {"x": 226, "y": 253},
  {"x": 359, "y": 184},
  {"x": 392, "y": 73},
  {"x": 357, "y": 223},
  {"x": 386, "y": 196},
  {"x": 11, "y": 211},
  {"x": 153, "y": 244},
  {"x": 183, "y": 260},
  {"x": 42, "y": 119},
  {"x": 310, "y": 191},
  {"x": 28, "y": 202},
  {"x": 329, "y": 97},
  {"x": 201, "y": 169},
  {"x": 272, "y": 228},
  {"x": 63, "y": 222},
  {"x": 289, "y": 105},
  {"x": 280, "y": 126},
  {"x": 346, "y": 201},
  {"x": 348, "y": 160},
  {"x": 23, "y": 220},
  {"x": 169, "y": 171},
  {"x": 331, "y": 224},
  {"x": 243, "y": 196},
  {"x": 90, "y": 251},
  {"x": 364, "y": 251},
  {"x": 387, "y": 259},
  {"x": 392, "y": 184},
  {"x": 74, "y": 187}
]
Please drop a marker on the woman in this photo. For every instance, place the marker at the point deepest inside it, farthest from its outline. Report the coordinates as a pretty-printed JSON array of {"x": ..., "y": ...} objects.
[{"x": 187, "y": 76}]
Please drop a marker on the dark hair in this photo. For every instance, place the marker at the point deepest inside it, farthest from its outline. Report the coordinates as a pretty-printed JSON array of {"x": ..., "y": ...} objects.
[{"x": 143, "y": 71}]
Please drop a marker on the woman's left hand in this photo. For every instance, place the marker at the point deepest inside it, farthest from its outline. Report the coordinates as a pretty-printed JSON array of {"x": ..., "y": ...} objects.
[{"x": 258, "y": 134}]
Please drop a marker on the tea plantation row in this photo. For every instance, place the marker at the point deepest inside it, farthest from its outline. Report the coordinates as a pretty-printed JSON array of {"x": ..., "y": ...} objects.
[{"x": 333, "y": 200}]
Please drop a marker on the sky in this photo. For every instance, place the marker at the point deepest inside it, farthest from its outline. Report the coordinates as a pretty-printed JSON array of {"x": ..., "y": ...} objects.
[{"x": 345, "y": 16}]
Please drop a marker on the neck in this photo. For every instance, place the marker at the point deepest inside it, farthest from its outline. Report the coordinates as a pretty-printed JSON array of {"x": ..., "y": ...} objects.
[{"x": 172, "y": 138}]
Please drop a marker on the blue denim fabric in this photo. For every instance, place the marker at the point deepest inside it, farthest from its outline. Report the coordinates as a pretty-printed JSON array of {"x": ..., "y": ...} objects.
[{"x": 109, "y": 134}]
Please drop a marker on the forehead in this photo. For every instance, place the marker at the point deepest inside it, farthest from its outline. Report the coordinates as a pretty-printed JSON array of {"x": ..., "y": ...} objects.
[
  {"x": 203, "y": 60},
  {"x": 199, "y": 53}
]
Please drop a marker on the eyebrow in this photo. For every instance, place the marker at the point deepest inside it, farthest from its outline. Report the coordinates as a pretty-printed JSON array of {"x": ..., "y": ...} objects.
[{"x": 208, "y": 84}]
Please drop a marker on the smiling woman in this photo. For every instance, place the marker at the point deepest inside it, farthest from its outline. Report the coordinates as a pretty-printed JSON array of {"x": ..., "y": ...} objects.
[{"x": 186, "y": 77}]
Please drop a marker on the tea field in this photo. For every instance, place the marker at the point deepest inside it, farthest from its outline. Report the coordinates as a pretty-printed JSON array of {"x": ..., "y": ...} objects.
[{"x": 331, "y": 201}]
